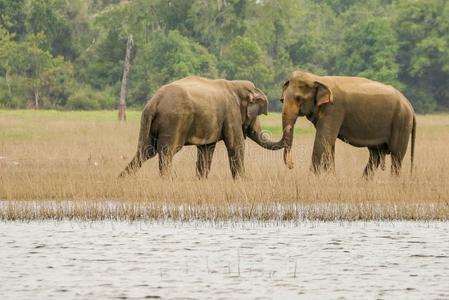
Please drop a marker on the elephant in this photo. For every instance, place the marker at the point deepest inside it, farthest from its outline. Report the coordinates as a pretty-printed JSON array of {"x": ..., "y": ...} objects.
[
  {"x": 356, "y": 110},
  {"x": 201, "y": 111}
]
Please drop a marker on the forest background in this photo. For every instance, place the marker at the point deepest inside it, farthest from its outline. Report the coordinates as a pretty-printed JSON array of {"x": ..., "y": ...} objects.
[{"x": 69, "y": 54}]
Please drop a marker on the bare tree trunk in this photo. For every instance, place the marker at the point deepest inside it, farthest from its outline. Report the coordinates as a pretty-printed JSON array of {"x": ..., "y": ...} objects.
[
  {"x": 122, "y": 104},
  {"x": 36, "y": 99}
]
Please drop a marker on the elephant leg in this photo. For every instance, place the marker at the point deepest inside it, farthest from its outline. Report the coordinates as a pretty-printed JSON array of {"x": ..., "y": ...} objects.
[
  {"x": 397, "y": 155},
  {"x": 172, "y": 138},
  {"x": 236, "y": 160},
  {"x": 324, "y": 145},
  {"x": 382, "y": 155},
  {"x": 373, "y": 163},
  {"x": 396, "y": 164},
  {"x": 236, "y": 153},
  {"x": 166, "y": 153},
  {"x": 204, "y": 160},
  {"x": 235, "y": 145},
  {"x": 332, "y": 165},
  {"x": 165, "y": 160},
  {"x": 398, "y": 146},
  {"x": 322, "y": 155}
]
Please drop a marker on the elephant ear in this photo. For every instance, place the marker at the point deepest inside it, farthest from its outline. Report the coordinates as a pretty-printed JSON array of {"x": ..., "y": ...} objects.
[
  {"x": 323, "y": 94},
  {"x": 258, "y": 104}
]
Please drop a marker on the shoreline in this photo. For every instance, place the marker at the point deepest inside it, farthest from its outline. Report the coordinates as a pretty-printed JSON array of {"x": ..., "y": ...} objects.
[{"x": 89, "y": 210}]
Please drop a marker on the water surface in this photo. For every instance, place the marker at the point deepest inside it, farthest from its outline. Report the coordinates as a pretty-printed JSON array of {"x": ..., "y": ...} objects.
[{"x": 374, "y": 260}]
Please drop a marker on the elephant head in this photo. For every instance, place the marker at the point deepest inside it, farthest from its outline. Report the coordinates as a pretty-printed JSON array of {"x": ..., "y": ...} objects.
[
  {"x": 253, "y": 102},
  {"x": 302, "y": 95}
]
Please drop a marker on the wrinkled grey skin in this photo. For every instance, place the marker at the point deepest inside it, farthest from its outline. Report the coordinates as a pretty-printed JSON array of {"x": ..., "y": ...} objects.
[
  {"x": 200, "y": 111},
  {"x": 358, "y": 111}
]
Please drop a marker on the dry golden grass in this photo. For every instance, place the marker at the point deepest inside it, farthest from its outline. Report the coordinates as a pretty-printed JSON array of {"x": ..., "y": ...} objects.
[{"x": 67, "y": 164}]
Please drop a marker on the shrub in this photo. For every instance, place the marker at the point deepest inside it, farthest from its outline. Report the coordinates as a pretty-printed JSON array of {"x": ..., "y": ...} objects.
[
  {"x": 422, "y": 100},
  {"x": 107, "y": 99},
  {"x": 84, "y": 99},
  {"x": 5, "y": 99},
  {"x": 14, "y": 96}
]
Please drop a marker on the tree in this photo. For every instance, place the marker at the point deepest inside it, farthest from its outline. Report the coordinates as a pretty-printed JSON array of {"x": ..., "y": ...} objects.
[
  {"x": 316, "y": 40},
  {"x": 45, "y": 78},
  {"x": 7, "y": 48},
  {"x": 12, "y": 17},
  {"x": 270, "y": 24},
  {"x": 167, "y": 57},
  {"x": 400, "y": 42},
  {"x": 44, "y": 18},
  {"x": 99, "y": 5},
  {"x": 214, "y": 23},
  {"x": 102, "y": 64},
  {"x": 124, "y": 86},
  {"x": 370, "y": 50},
  {"x": 424, "y": 51},
  {"x": 243, "y": 59}
]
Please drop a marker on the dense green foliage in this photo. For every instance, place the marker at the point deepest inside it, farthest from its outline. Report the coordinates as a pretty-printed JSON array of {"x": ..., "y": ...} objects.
[{"x": 70, "y": 53}]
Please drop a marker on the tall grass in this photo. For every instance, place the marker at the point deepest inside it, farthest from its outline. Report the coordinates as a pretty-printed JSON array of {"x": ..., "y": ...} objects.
[{"x": 68, "y": 162}]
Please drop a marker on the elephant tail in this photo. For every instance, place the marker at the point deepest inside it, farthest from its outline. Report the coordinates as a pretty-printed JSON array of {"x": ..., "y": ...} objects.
[
  {"x": 145, "y": 129},
  {"x": 413, "y": 144},
  {"x": 144, "y": 145}
]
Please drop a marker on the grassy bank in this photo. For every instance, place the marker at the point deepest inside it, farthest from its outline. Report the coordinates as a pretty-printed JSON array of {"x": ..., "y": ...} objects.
[{"x": 53, "y": 157}]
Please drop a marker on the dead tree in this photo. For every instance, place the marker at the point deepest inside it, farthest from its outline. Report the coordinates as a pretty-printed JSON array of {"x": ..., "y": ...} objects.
[{"x": 122, "y": 104}]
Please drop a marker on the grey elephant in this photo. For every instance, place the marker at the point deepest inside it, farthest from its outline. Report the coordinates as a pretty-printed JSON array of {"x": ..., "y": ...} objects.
[
  {"x": 200, "y": 111},
  {"x": 358, "y": 111}
]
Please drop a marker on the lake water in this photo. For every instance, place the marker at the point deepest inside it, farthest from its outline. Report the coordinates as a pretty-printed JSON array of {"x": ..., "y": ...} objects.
[{"x": 374, "y": 260}]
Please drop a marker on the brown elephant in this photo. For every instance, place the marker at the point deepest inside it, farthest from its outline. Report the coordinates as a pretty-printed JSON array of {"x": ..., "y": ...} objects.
[
  {"x": 200, "y": 111},
  {"x": 358, "y": 111}
]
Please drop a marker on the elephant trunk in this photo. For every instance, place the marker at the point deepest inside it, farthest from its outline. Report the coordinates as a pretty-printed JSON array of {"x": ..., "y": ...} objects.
[
  {"x": 255, "y": 133},
  {"x": 288, "y": 124}
]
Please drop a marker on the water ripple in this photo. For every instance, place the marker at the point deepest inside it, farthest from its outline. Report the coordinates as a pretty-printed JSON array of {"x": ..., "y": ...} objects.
[{"x": 236, "y": 260}]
